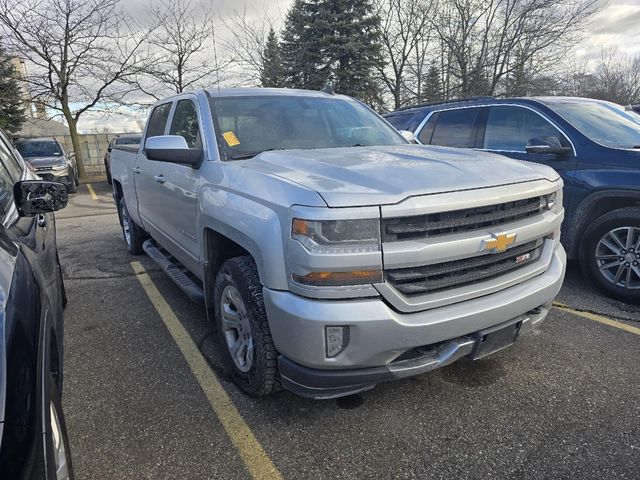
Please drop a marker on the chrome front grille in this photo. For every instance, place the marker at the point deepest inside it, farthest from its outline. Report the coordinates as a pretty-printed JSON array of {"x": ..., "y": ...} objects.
[
  {"x": 466, "y": 220},
  {"x": 458, "y": 273}
]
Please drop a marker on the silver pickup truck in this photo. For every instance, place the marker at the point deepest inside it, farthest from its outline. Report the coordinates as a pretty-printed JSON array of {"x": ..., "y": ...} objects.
[{"x": 330, "y": 253}]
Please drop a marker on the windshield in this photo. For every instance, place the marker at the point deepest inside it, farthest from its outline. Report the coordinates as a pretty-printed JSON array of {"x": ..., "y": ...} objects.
[
  {"x": 606, "y": 123},
  {"x": 39, "y": 149},
  {"x": 128, "y": 140},
  {"x": 250, "y": 125}
]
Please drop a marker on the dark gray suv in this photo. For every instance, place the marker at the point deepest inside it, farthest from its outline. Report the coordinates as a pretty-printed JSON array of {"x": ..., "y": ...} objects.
[{"x": 50, "y": 160}]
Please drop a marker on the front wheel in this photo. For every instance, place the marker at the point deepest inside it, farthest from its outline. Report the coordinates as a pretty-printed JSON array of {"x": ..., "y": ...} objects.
[
  {"x": 57, "y": 441},
  {"x": 243, "y": 329},
  {"x": 610, "y": 254}
]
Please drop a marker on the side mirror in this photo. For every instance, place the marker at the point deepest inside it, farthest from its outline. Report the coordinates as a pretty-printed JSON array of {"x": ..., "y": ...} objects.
[
  {"x": 546, "y": 146},
  {"x": 39, "y": 196},
  {"x": 408, "y": 136},
  {"x": 172, "y": 148},
  {"x": 109, "y": 148}
]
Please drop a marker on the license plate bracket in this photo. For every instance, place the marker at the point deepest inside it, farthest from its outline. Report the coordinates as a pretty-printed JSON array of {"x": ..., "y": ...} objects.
[{"x": 495, "y": 339}]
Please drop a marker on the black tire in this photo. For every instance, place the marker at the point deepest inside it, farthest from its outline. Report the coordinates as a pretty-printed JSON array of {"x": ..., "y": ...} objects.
[
  {"x": 262, "y": 377},
  {"x": 619, "y": 221},
  {"x": 136, "y": 236},
  {"x": 73, "y": 186},
  {"x": 54, "y": 459},
  {"x": 108, "y": 170}
]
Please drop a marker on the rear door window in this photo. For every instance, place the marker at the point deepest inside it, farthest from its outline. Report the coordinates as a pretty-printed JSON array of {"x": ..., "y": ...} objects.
[
  {"x": 454, "y": 128},
  {"x": 185, "y": 123},
  {"x": 158, "y": 120},
  {"x": 511, "y": 128}
]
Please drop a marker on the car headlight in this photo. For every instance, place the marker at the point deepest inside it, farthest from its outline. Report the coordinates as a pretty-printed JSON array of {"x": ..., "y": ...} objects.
[
  {"x": 59, "y": 166},
  {"x": 337, "y": 236},
  {"x": 552, "y": 201}
]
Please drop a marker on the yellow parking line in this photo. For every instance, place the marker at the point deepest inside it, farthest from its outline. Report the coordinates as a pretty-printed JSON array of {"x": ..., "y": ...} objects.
[
  {"x": 598, "y": 318},
  {"x": 253, "y": 455},
  {"x": 92, "y": 192}
]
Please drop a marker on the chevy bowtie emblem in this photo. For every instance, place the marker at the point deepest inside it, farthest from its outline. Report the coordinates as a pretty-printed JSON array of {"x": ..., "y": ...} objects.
[{"x": 499, "y": 243}]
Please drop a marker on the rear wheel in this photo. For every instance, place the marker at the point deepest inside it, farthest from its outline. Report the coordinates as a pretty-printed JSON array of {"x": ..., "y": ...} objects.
[
  {"x": 243, "y": 329},
  {"x": 610, "y": 254},
  {"x": 133, "y": 234}
]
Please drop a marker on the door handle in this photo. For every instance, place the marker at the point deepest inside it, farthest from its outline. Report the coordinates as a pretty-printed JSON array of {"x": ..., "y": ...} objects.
[
  {"x": 41, "y": 220},
  {"x": 159, "y": 178},
  {"x": 137, "y": 169}
]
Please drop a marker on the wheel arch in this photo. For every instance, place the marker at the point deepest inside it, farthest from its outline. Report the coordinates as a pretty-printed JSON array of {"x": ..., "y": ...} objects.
[{"x": 592, "y": 207}]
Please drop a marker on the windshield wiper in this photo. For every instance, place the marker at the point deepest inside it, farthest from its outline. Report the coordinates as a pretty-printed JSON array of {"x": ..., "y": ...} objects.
[{"x": 244, "y": 156}]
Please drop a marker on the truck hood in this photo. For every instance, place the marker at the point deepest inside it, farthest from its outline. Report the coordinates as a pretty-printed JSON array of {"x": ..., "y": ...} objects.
[{"x": 359, "y": 176}]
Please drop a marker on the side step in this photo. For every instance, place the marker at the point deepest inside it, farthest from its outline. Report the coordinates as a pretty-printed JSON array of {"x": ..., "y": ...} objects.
[{"x": 175, "y": 271}]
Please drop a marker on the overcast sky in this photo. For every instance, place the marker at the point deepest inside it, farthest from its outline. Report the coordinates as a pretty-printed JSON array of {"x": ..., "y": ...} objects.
[{"x": 617, "y": 25}]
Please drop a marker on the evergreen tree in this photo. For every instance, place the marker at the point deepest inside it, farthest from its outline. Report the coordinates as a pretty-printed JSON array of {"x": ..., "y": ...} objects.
[
  {"x": 432, "y": 86},
  {"x": 335, "y": 41},
  {"x": 12, "y": 114},
  {"x": 272, "y": 72}
]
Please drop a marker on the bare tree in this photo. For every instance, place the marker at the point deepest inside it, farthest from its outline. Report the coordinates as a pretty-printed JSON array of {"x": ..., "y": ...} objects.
[
  {"x": 487, "y": 40},
  {"x": 181, "y": 46},
  {"x": 403, "y": 36},
  {"x": 617, "y": 78},
  {"x": 80, "y": 51},
  {"x": 245, "y": 43}
]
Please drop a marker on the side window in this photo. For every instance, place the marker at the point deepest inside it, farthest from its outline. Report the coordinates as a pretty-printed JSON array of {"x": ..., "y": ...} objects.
[
  {"x": 455, "y": 128},
  {"x": 427, "y": 131},
  {"x": 399, "y": 122},
  {"x": 511, "y": 128},
  {"x": 158, "y": 120},
  {"x": 6, "y": 189},
  {"x": 185, "y": 123},
  {"x": 9, "y": 159}
]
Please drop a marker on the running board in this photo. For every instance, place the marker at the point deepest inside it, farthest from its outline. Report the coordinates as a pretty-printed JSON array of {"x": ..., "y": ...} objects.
[{"x": 175, "y": 271}]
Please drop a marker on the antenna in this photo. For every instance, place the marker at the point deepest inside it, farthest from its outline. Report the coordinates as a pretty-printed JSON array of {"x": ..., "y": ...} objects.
[{"x": 215, "y": 57}]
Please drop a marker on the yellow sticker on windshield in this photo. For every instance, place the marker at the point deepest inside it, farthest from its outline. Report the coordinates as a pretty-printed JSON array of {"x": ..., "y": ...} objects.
[{"x": 231, "y": 139}]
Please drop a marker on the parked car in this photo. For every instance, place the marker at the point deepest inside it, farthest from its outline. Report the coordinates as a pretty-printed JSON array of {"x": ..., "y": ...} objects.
[
  {"x": 131, "y": 141},
  {"x": 332, "y": 254},
  {"x": 50, "y": 160},
  {"x": 593, "y": 145},
  {"x": 33, "y": 436}
]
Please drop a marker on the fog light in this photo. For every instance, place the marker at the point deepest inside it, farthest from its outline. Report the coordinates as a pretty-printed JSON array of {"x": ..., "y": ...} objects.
[{"x": 337, "y": 339}]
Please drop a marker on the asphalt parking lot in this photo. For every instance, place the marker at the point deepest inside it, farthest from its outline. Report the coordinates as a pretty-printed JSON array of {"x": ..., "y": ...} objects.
[{"x": 563, "y": 403}]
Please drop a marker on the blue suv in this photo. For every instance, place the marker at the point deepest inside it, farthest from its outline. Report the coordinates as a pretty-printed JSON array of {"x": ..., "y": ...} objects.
[{"x": 594, "y": 146}]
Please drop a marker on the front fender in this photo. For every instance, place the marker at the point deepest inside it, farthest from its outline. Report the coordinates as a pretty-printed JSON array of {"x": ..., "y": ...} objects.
[{"x": 251, "y": 224}]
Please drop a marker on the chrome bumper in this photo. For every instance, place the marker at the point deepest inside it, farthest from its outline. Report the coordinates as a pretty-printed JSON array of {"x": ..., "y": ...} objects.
[{"x": 379, "y": 334}]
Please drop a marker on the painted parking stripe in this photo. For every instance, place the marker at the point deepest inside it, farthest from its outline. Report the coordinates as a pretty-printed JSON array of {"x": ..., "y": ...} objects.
[
  {"x": 598, "y": 318},
  {"x": 92, "y": 192},
  {"x": 251, "y": 452}
]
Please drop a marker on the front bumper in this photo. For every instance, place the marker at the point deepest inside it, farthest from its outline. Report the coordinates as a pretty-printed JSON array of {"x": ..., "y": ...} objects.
[{"x": 379, "y": 334}]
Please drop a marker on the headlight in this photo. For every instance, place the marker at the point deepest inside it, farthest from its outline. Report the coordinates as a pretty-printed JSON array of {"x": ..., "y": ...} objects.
[
  {"x": 60, "y": 166},
  {"x": 337, "y": 236},
  {"x": 552, "y": 201}
]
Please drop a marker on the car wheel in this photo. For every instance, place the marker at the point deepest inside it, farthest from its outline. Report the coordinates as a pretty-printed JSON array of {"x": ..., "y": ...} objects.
[
  {"x": 73, "y": 186},
  {"x": 109, "y": 179},
  {"x": 57, "y": 441},
  {"x": 133, "y": 234},
  {"x": 610, "y": 254},
  {"x": 243, "y": 330}
]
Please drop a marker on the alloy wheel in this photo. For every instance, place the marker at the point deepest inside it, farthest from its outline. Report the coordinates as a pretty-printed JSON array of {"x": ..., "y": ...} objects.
[
  {"x": 237, "y": 329},
  {"x": 618, "y": 257}
]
